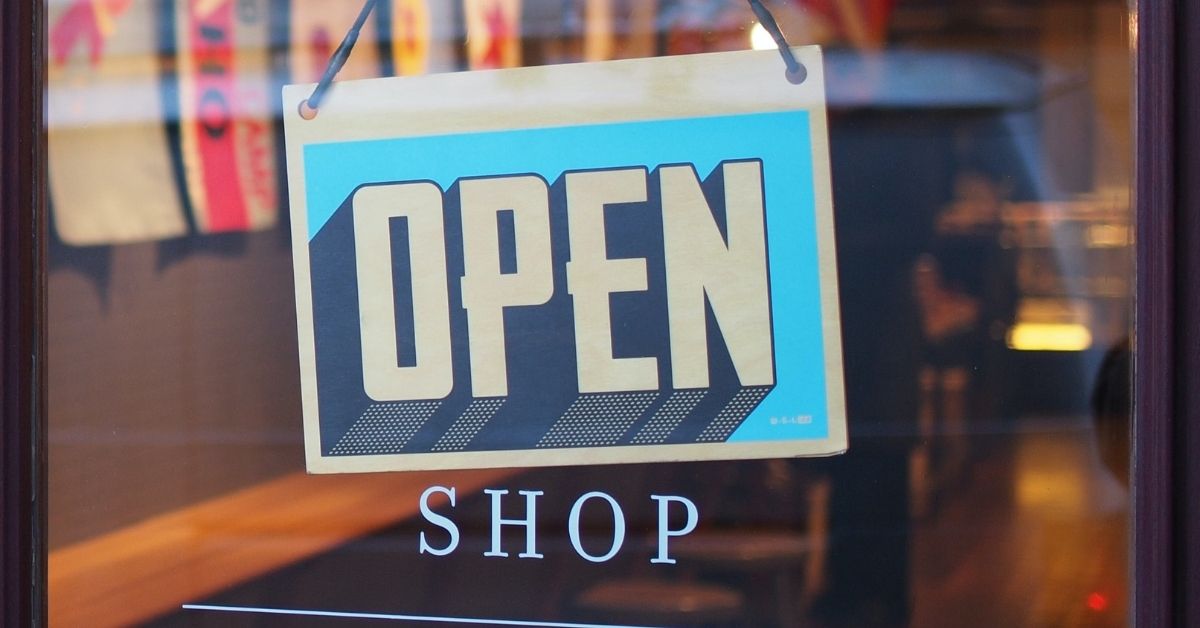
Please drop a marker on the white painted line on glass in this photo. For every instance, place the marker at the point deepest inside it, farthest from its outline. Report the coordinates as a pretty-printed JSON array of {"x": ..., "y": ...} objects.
[{"x": 432, "y": 619}]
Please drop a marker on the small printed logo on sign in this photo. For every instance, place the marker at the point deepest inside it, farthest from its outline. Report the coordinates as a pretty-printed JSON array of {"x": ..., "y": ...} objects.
[{"x": 492, "y": 291}]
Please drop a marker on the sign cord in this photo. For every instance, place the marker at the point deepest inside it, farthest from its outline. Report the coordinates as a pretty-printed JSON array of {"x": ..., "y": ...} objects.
[
  {"x": 796, "y": 72},
  {"x": 308, "y": 109},
  {"x": 336, "y": 61}
]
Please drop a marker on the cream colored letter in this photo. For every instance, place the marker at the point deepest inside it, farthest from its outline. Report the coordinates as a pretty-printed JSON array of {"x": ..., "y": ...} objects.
[
  {"x": 733, "y": 276},
  {"x": 485, "y": 291},
  {"x": 591, "y": 277},
  {"x": 433, "y": 375}
]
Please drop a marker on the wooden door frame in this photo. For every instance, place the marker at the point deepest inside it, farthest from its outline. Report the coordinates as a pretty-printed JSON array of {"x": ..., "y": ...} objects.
[
  {"x": 22, "y": 314},
  {"x": 1166, "y": 443},
  {"x": 1166, "y": 430}
]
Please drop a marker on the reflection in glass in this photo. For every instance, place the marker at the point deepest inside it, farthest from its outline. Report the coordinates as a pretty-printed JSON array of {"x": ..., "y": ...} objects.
[{"x": 981, "y": 160}]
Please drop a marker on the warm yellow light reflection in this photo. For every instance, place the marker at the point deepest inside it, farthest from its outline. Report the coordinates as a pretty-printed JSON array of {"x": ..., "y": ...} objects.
[
  {"x": 1107, "y": 236},
  {"x": 760, "y": 39},
  {"x": 1049, "y": 337}
]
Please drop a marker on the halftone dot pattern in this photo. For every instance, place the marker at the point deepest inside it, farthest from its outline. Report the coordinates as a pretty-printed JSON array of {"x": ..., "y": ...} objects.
[
  {"x": 669, "y": 416},
  {"x": 732, "y": 415},
  {"x": 385, "y": 428},
  {"x": 473, "y": 418},
  {"x": 597, "y": 419}
]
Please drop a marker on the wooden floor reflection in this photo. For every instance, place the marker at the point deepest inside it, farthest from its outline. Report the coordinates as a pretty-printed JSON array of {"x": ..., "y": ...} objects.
[{"x": 1034, "y": 534}]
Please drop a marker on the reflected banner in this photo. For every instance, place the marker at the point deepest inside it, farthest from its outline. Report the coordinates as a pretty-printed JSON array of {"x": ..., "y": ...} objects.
[{"x": 628, "y": 261}]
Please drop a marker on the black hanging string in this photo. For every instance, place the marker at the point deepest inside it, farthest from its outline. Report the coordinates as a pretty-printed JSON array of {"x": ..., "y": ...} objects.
[
  {"x": 308, "y": 108},
  {"x": 796, "y": 71}
]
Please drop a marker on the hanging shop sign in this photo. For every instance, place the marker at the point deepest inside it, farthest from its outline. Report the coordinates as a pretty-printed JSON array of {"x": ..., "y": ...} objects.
[
  {"x": 223, "y": 67},
  {"x": 109, "y": 158},
  {"x": 626, "y": 261}
]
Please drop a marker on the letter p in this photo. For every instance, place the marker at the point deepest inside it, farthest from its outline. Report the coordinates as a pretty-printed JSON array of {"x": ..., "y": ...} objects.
[{"x": 664, "y": 527}]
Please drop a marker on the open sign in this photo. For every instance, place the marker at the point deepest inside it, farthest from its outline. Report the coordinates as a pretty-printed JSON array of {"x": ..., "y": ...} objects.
[
  {"x": 704, "y": 269},
  {"x": 484, "y": 289}
]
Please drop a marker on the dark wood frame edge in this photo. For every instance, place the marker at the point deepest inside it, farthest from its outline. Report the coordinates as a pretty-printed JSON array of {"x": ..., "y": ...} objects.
[
  {"x": 1166, "y": 432},
  {"x": 22, "y": 314},
  {"x": 1186, "y": 470}
]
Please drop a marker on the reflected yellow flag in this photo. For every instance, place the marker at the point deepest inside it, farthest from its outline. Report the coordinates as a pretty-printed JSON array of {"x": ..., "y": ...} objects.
[
  {"x": 316, "y": 27},
  {"x": 493, "y": 33},
  {"x": 410, "y": 37}
]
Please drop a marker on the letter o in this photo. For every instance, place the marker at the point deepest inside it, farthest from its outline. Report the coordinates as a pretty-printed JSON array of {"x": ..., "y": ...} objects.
[{"x": 618, "y": 527}]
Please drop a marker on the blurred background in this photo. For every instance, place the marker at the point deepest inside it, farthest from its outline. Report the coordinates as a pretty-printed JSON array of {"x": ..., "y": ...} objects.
[{"x": 982, "y": 160}]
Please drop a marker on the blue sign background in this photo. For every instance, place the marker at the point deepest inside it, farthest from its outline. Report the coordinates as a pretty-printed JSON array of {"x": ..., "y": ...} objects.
[{"x": 796, "y": 408}]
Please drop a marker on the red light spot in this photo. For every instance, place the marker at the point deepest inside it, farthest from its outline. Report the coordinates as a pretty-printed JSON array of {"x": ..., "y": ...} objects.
[{"x": 1097, "y": 602}]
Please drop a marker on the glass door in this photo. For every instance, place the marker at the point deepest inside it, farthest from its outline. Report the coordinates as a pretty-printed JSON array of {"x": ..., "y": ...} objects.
[{"x": 981, "y": 159}]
